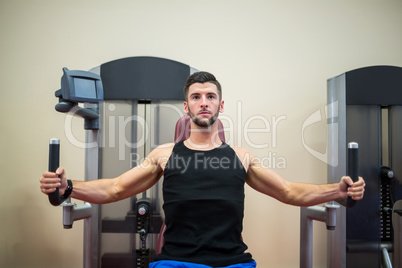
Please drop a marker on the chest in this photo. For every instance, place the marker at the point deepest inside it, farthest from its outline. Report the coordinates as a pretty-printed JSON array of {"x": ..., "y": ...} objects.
[{"x": 200, "y": 175}]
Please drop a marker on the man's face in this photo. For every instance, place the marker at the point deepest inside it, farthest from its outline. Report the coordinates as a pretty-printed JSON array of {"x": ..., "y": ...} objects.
[{"x": 203, "y": 104}]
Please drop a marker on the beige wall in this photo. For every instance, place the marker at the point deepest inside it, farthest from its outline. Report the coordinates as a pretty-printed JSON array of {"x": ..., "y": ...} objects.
[{"x": 272, "y": 57}]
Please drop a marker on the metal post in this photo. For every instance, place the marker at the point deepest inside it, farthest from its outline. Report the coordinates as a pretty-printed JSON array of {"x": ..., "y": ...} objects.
[
  {"x": 325, "y": 214},
  {"x": 336, "y": 114},
  {"x": 397, "y": 224},
  {"x": 306, "y": 233},
  {"x": 91, "y": 228},
  {"x": 385, "y": 260}
]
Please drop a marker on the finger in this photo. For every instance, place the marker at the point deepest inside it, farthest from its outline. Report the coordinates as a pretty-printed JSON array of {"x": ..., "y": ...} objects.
[
  {"x": 53, "y": 185},
  {"x": 355, "y": 188},
  {"x": 360, "y": 183},
  {"x": 50, "y": 182},
  {"x": 356, "y": 193},
  {"x": 47, "y": 191},
  {"x": 60, "y": 171},
  {"x": 357, "y": 196},
  {"x": 48, "y": 174},
  {"x": 348, "y": 180}
]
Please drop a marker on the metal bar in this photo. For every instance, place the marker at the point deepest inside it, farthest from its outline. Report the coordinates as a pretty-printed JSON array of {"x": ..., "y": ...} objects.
[
  {"x": 91, "y": 227},
  {"x": 307, "y": 215},
  {"x": 385, "y": 260},
  {"x": 395, "y": 148},
  {"x": 306, "y": 239},
  {"x": 134, "y": 151},
  {"x": 397, "y": 224},
  {"x": 336, "y": 115}
]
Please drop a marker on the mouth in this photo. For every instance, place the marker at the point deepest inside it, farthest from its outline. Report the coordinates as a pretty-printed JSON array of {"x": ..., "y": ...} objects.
[{"x": 204, "y": 113}]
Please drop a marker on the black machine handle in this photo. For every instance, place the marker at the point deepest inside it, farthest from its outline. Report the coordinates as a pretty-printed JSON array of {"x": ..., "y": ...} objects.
[
  {"x": 353, "y": 168},
  {"x": 54, "y": 160}
]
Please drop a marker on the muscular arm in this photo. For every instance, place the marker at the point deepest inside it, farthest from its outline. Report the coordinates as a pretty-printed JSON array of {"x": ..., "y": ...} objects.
[
  {"x": 270, "y": 183},
  {"x": 132, "y": 182},
  {"x": 299, "y": 194}
]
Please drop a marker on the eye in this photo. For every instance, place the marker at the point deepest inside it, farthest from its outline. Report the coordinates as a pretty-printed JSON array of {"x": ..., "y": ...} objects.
[{"x": 211, "y": 97}]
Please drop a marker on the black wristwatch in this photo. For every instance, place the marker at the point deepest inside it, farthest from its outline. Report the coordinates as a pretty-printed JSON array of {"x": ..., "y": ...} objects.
[{"x": 69, "y": 189}]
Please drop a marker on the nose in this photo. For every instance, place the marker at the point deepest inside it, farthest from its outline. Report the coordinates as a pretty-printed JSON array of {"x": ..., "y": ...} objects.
[{"x": 204, "y": 102}]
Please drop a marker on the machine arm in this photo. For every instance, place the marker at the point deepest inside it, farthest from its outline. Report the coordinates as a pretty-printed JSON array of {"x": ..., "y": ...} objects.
[
  {"x": 353, "y": 168},
  {"x": 54, "y": 160}
]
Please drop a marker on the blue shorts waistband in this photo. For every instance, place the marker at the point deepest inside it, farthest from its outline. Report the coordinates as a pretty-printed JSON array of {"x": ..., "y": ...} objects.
[{"x": 180, "y": 264}]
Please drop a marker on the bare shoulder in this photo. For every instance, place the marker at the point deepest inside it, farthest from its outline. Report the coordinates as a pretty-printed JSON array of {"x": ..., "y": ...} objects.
[
  {"x": 244, "y": 155},
  {"x": 163, "y": 148},
  {"x": 160, "y": 155},
  {"x": 240, "y": 151}
]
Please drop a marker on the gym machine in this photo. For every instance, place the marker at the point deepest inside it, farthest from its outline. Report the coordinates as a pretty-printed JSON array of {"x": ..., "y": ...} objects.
[
  {"x": 326, "y": 213},
  {"x": 80, "y": 87},
  {"x": 130, "y": 106},
  {"x": 365, "y": 106}
]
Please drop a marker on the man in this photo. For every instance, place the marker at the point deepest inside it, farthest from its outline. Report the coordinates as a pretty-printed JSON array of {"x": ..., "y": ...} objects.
[{"x": 203, "y": 187}]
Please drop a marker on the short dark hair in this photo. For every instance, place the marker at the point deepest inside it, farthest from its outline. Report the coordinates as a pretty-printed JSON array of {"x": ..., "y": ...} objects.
[{"x": 201, "y": 77}]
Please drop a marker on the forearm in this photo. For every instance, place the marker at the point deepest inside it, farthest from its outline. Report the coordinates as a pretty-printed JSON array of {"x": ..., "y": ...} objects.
[
  {"x": 97, "y": 191},
  {"x": 270, "y": 183},
  {"x": 104, "y": 191},
  {"x": 302, "y": 194},
  {"x": 130, "y": 183}
]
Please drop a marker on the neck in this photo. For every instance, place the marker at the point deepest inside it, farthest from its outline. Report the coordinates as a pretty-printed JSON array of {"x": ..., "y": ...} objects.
[{"x": 203, "y": 138}]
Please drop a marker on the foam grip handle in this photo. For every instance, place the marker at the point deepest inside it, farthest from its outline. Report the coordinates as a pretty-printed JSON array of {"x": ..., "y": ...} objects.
[
  {"x": 54, "y": 160},
  {"x": 353, "y": 167}
]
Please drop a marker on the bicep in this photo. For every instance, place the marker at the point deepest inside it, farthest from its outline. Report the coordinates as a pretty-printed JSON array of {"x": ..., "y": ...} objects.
[
  {"x": 146, "y": 174},
  {"x": 268, "y": 182},
  {"x": 138, "y": 179}
]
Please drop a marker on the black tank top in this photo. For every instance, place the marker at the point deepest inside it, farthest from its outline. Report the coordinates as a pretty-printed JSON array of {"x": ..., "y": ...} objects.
[{"x": 203, "y": 195}]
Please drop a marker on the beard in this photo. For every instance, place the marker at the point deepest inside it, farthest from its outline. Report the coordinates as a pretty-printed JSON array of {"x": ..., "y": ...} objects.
[{"x": 203, "y": 122}]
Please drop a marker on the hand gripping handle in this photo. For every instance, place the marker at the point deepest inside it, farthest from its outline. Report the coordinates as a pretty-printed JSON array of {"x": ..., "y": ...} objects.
[
  {"x": 353, "y": 168},
  {"x": 54, "y": 160}
]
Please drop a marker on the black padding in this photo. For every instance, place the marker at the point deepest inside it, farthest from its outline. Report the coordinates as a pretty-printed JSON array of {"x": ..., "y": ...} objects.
[
  {"x": 144, "y": 78},
  {"x": 375, "y": 85}
]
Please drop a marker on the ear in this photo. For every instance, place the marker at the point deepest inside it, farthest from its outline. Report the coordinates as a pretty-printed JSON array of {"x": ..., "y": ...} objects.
[
  {"x": 185, "y": 108},
  {"x": 221, "y": 109}
]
